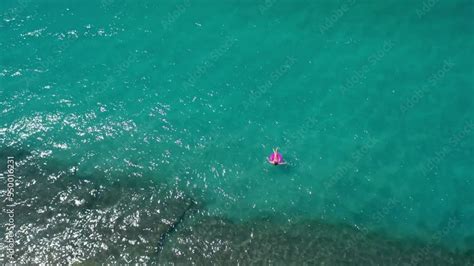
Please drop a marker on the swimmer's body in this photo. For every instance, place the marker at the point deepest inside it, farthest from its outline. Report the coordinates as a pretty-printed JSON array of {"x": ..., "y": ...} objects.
[{"x": 275, "y": 158}]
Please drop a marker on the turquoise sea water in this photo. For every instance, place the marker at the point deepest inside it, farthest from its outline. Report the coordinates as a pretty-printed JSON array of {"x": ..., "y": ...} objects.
[{"x": 371, "y": 104}]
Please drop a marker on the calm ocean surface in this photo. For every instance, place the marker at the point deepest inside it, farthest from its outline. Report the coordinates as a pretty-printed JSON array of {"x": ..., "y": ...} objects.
[{"x": 139, "y": 131}]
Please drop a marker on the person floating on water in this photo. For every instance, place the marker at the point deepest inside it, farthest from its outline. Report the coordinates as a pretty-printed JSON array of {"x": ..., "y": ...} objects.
[{"x": 275, "y": 158}]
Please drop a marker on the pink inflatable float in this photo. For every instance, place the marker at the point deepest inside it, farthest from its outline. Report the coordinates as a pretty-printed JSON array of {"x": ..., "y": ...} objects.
[{"x": 275, "y": 158}]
